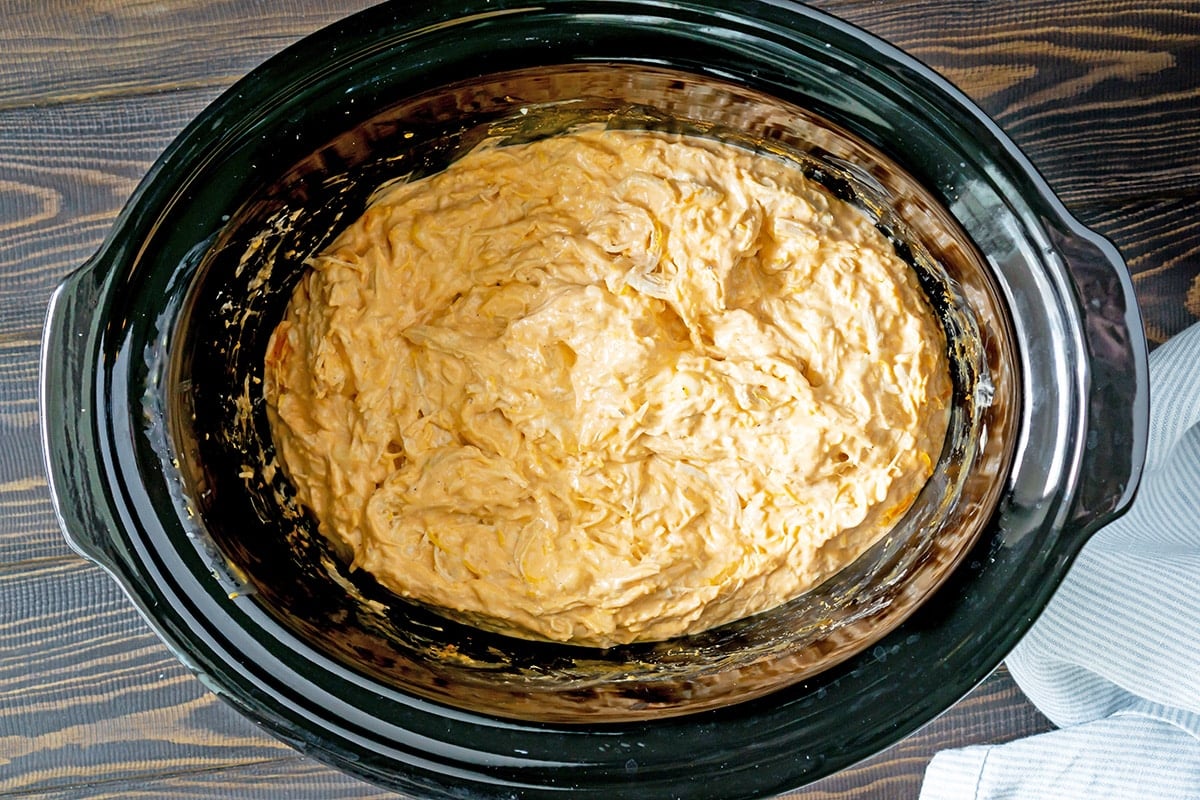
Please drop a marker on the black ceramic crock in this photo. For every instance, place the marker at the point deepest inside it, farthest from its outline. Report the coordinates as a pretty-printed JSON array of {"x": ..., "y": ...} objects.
[{"x": 158, "y": 453}]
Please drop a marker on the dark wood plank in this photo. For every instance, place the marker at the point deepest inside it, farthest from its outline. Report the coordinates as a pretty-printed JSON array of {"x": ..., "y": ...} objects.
[
  {"x": 88, "y": 693},
  {"x": 72, "y": 52},
  {"x": 1160, "y": 240},
  {"x": 292, "y": 778}
]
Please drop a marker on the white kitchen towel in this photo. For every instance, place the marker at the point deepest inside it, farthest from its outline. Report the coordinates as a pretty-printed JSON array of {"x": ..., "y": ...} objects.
[{"x": 1114, "y": 661}]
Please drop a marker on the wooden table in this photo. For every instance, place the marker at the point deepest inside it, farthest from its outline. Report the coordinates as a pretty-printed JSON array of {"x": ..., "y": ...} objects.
[{"x": 1103, "y": 95}]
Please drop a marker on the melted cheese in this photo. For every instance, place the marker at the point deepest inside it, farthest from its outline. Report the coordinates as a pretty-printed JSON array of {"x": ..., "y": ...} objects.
[{"x": 608, "y": 386}]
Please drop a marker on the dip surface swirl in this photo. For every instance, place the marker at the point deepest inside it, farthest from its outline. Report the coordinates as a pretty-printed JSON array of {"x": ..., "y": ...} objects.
[{"x": 607, "y": 386}]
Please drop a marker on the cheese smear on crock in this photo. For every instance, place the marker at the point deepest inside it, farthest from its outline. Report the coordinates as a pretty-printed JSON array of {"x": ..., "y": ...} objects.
[{"x": 608, "y": 386}]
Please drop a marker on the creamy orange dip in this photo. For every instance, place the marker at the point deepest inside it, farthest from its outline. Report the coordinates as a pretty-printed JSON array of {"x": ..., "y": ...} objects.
[{"x": 608, "y": 386}]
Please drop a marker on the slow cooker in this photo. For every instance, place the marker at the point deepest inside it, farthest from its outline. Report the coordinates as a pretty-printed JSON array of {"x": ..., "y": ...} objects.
[{"x": 162, "y": 467}]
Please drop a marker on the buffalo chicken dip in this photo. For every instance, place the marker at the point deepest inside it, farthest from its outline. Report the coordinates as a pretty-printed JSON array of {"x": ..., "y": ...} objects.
[{"x": 608, "y": 386}]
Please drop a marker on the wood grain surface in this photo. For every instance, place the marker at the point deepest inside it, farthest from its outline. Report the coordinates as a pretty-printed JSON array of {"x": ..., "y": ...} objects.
[{"x": 1102, "y": 95}]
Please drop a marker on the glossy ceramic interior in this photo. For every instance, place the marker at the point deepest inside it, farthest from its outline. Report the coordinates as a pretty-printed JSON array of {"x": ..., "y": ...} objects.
[{"x": 163, "y": 465}]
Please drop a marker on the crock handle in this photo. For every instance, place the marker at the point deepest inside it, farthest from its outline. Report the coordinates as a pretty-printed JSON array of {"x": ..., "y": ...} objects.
[
  {"x": 1119, "y": 398},
  {"x": 67, "y": 401}
]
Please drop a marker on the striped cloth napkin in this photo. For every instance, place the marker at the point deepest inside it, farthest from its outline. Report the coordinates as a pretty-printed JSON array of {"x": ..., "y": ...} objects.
[{"x": 1114, "y": 661}]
